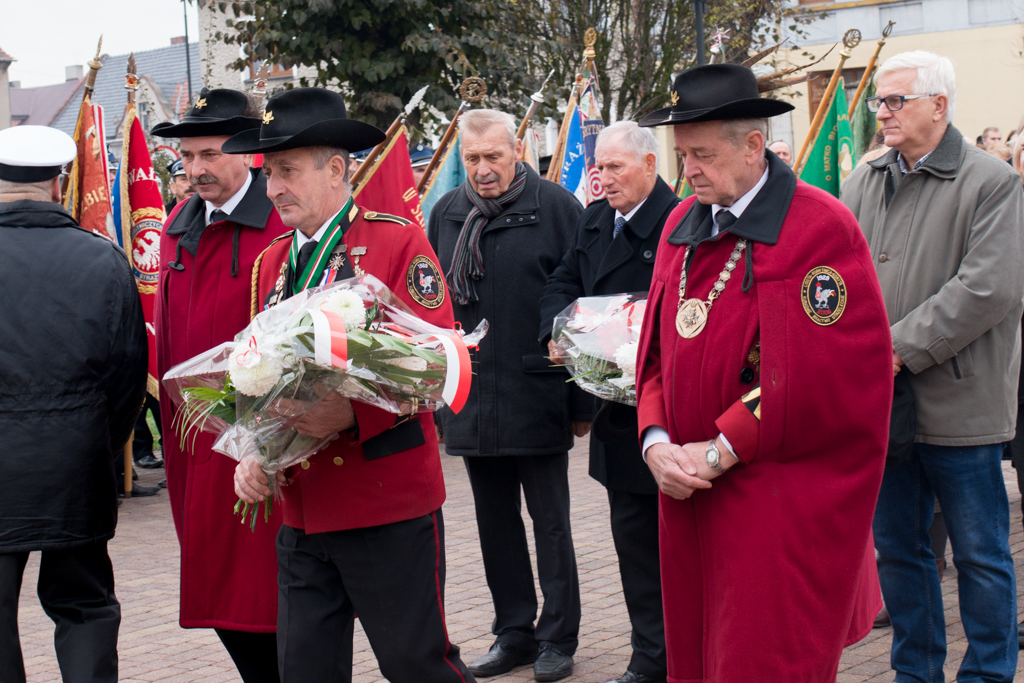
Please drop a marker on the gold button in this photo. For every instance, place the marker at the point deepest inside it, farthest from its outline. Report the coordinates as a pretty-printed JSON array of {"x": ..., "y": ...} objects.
[
  {"x": 339, "y": 461},
  {"x": 883, "y": 258},
  {"x": 305, "y": 464}
]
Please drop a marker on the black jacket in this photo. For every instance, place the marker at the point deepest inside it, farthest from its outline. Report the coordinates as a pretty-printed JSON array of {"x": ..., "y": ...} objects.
[
  {"x": 595, "y": 265},
  {"x": 73, "y": 357},
  {"x": 519, "y": 404}
]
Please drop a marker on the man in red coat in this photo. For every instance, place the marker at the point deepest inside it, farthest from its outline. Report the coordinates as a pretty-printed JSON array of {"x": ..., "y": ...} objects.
[
  {"x": 764, "y": 382},
  {"x": 228, "y": 573},
  {"x": 363, "y": 531}
]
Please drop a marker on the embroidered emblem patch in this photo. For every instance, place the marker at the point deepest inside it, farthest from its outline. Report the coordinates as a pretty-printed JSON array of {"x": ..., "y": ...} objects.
[
  {"x": 823, "y": 295},
  {"x": 425, "y": 283}
]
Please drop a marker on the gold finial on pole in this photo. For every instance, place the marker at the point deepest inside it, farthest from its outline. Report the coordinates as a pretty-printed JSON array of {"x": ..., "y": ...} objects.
[
  {"x": 850, "y": 40},
  {"x": 94, "y": 66},
  {"x": 259, "y": 86},
  {"x": 536, "y": 99},
  {"x": 869, "y": 70},
  {"x": 473, "y": 89},
  {"x": 131, "y": 80}
]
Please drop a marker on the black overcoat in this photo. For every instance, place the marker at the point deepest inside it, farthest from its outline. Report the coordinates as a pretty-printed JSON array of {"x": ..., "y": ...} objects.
[
  {"x": 595, "y": 265},
  {"x": 72, "y": 377},
  {"x": 519, "y": 404}
]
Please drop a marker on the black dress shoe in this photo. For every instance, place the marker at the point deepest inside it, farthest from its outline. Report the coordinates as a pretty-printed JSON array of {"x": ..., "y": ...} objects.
[
  {"x": 551, "y": 664},
  {"x": 882, "y": 620},
  {"x": 162, "y": 483},
  {"x": 139, "y": 491},
  {"x": 1020, "y": 635},
  {"x": 501, "y": 659},
  {"x": 634, "y": 677},
  {"x": 149, "y": 462}
]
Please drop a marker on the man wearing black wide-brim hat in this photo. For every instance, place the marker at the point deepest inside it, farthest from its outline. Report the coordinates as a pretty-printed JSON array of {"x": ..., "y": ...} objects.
[
  {"x": 207, "y": 252},
  {"x": 363, "y": 531},
  {"x": 764, "y": 383}
]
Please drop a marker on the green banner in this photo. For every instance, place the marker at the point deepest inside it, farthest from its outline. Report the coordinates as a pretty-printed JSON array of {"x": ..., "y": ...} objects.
[
  {"x": 863, "y": 123},
  {"x": 832, "y": 157}
]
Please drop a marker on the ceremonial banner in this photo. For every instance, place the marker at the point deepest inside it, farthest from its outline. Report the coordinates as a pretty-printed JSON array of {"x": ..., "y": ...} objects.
[
  {"x": 864, "y": 124},
  {"x": 832, "y": 157},
  {"x": 450, "y": 174},
  {"x": 87, "y": 197},
  {"x": 591, "y": 124},
  {"x": 684, "y": 190},
  {"x": 389, "y": 186},
  {"x": 139, "y": 222},
  {"x": 574, "y": 163}
]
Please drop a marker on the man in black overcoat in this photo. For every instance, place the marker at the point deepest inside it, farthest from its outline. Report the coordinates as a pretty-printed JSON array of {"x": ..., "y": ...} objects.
[
  {"x": 498, "y": 236},
  {"x": 72, "y": 378},
  {"x": 612, "y": 253}
]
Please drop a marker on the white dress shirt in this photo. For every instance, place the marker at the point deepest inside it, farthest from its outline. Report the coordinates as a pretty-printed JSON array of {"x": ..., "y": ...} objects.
[
  {"x": 301, "y": 239},
  {"x": 231, "y": 204},
  {"x": 655, "y": 435},
  {"x": 632, "y": 212}
]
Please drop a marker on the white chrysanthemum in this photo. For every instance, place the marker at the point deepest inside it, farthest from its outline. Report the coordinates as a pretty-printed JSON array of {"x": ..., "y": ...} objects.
[
  {"x": 252, "y": 373},
  {"x": 625, "y": 358},
  {"x": 348, "y": 306},
  {"x": 414, "y": 363}
]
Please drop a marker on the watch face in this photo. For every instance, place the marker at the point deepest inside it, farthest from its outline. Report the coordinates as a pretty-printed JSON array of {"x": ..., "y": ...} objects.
[{"x": 712, "y": 455}]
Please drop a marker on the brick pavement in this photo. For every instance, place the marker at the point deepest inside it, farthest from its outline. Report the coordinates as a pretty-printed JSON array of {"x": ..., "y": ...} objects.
[{"x": 154, "y": 648}]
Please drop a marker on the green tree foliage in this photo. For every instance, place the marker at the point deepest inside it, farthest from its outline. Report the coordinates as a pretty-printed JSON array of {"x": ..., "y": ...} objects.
[{"x": 382, "y": 51}]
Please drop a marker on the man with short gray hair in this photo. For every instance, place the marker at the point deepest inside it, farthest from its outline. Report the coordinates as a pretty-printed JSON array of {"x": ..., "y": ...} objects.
[
  {"x": 945, "y": 224},
  {"x": 498, "y": 236},
  {"x": 613, "y": 252}
]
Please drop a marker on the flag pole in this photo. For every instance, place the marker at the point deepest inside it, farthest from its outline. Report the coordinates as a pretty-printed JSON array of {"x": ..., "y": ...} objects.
[
  {"x": 71, "y": 180},
  {"x": 869, "y": 70},
  {"x": 472, "y": 91},
  {"x": 392, "y": 130},
  {"x": 850, "y": 40},
  {"x": 536, "y": 99},
  {"x": 558, "y": 157},
  {"x": 131, "y": 84}
]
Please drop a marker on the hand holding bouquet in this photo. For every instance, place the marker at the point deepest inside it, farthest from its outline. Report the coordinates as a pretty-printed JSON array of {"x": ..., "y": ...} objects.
[
  {"x": 353, "y": 337},
  {"x": 599, "y": 337}
]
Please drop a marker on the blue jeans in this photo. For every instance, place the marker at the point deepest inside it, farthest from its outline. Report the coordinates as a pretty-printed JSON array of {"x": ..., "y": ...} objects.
[{"x": 968, "y": 483}]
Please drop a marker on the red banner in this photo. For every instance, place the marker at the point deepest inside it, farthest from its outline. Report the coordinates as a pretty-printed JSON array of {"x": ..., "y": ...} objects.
[
  {"x": 389, "y": 187},
  {"x": 87, "y": 197},
  {"x": 142, "y": 219}
]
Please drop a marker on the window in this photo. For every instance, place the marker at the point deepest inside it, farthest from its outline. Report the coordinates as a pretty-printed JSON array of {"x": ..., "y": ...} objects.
[{"x": 817, "y": 85}]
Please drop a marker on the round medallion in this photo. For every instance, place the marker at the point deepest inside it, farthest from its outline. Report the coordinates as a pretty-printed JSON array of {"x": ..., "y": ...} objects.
[
  {"x": 145, "y": 251},
  {"x": 691, "y": 318},
  {"x": 823, "y": 295}
]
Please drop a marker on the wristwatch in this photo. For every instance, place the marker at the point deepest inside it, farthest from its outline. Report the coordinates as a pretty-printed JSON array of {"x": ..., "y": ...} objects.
[{"x": 713, "y": 457}]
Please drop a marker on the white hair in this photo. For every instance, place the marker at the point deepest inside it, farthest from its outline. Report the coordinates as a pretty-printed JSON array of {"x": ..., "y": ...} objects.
[
  {"x": 640, "y": 141},
  {"x": 935, "y": 75},
  {"x": 478, "y": 121},
  {"x": 736, "y": 130}
]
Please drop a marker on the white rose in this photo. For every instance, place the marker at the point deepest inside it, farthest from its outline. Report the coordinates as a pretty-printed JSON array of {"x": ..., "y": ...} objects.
[
  {"x": 253, "y": 373},
  {"x": 625, "y": 358},
  {"x": 347, "y": 305},
  {"x": 414, "y": 363}
]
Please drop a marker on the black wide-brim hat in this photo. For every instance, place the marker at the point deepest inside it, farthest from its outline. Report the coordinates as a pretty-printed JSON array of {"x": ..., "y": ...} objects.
[
  {"x": 215, "y": 112},
  {"x": 305, "y": 117},
  {"x": 715, "y": 92}
]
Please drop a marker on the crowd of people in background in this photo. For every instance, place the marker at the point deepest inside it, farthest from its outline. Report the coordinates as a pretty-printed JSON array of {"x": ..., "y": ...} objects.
[{"x": 826, "y": 391}]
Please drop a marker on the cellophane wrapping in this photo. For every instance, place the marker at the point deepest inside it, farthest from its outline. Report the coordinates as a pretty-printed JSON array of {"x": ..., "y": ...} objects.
[
  {"x": 599, "y": 337},
  {"x": 251, "y": 392}
]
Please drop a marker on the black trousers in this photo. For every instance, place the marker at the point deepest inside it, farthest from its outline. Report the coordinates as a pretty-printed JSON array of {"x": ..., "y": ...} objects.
[
  {"x": 76, "y": 590},
  {"x": 544, "y": 480},
  {"x": 392, "y": 576},
  {"x": 634, "y": 519},
  {"x": 142, "y": 442},
  {"x": 254, "y": 654}
]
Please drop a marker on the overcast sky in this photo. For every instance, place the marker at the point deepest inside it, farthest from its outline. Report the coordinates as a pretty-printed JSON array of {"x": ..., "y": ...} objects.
[{"x": 44, "y": 36}]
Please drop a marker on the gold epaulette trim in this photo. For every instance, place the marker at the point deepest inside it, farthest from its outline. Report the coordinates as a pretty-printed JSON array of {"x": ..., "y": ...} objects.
[
  {"x": 254, "y": 286},
  {"x": 377, "y": 216}
]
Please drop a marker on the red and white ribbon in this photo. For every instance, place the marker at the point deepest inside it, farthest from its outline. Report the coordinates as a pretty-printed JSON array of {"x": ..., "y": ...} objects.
[
  {"x": 459, "y": 376},
  {"x": 330, "y": 343}
]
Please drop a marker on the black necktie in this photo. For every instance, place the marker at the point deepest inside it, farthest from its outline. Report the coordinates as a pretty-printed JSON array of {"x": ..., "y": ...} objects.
[
  {"x": 620, "y": 222},
  {"x": 305, "y": 253},
  {"x": 217, "y": 215},
  {"x": 724, "y": 220}
]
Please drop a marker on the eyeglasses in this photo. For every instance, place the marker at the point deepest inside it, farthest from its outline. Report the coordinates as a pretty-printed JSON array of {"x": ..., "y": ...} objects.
[{"x": 892, "y": 102}]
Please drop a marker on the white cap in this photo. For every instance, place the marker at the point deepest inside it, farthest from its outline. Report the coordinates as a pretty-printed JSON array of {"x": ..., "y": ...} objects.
[{"x": 30, "y": 154}]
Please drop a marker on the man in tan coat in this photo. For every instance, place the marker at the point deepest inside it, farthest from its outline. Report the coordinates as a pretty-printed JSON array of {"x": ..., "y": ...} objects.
[{"x": 945, "y": 224}]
